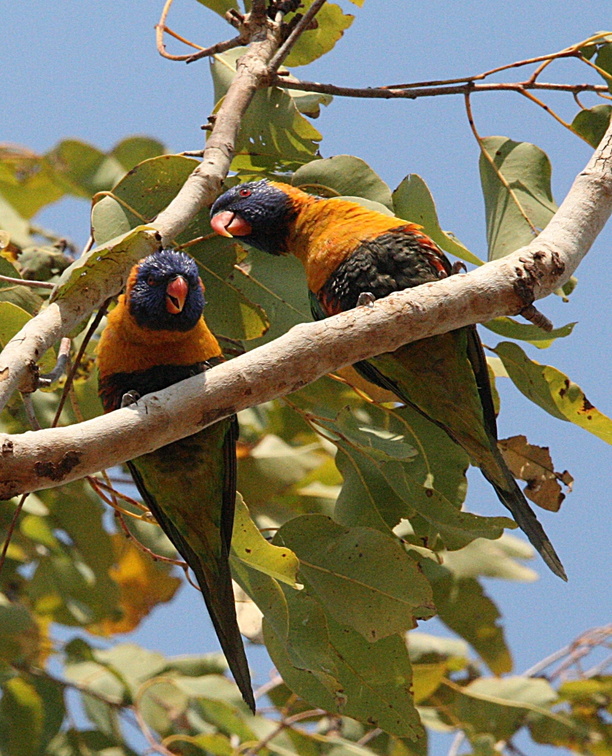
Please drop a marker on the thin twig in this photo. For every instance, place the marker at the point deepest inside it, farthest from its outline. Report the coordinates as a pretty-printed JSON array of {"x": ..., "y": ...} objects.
[
  {"x": 554, "y": 114},
  {"x": 469, "y": 85},
  {"x": 264, "y": 689},
  {"x": 90, "y": 332},
  {"x": 30, "y": 412},
  {"x": 26, "y": 282},
  {"x": 456, "y": 744},
  {"x": 107, "y": 485},
  {"x": 283, "y": 725},
  {"x": 111, "y": 500},
  {"x": 240, "y": 41},
  {"x": 11, "y": 529}
]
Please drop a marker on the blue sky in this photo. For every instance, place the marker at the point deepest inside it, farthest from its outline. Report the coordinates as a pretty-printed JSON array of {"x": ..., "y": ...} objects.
[{"x": 90, "y": 71}]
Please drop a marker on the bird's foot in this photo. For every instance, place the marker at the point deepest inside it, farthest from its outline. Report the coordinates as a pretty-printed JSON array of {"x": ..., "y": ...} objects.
[
  {"x": 130, "y": 397},
  {"x": 458, "y": 267},
  {"x": 366, "y": 299}
]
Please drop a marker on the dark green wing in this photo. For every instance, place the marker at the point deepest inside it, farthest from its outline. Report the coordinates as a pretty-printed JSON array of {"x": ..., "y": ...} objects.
[{"x": 190, "y": 487}]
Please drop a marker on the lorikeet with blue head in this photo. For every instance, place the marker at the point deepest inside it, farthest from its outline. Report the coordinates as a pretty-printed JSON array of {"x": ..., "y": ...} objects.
[
  {"x": 154, "y": 337},
  {"x": 352, "y": 254}
]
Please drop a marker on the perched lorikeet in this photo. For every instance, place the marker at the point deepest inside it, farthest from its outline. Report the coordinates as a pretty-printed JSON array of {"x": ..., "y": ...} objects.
[
  {"x": 154, "y": 337},
  {"x": 350, "y": 252}
]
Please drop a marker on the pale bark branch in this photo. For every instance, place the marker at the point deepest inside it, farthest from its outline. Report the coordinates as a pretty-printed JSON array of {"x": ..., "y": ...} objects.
[{"x": 50, "y": 457}]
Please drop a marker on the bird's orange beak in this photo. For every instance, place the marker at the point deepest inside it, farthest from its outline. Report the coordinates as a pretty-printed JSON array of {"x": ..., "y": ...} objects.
[
  {"x": 176, "y": 294},
  {"x": 229, "y": 224}
]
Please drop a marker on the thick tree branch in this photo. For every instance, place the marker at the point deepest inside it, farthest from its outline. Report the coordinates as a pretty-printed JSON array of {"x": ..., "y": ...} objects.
[{"x": 50, "y": 457}]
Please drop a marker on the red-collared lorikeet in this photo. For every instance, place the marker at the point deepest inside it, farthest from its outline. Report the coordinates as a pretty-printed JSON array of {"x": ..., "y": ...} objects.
[
  {"x": 154, "y": 337},
  {"x": 350, "y": 252}
]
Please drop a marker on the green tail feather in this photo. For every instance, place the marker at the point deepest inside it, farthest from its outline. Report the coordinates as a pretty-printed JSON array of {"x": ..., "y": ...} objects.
[
  {"x": 513, "y": 499},
  {"x": 215, "y": 582}
]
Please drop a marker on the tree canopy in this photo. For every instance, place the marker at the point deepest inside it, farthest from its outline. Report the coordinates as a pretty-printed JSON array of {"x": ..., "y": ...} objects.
[{"x": 332, "y": 470}]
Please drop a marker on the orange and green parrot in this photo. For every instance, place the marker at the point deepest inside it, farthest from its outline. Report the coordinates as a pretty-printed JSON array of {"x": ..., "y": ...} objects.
[
  {"x": 353, "y": 255},
  {"x": 154, "y": 337}
]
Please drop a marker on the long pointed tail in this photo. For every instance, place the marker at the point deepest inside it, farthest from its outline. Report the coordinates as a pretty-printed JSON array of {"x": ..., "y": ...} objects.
[
  {"x": 219, "y": 597},
  {"x": 513, "y": 499}
]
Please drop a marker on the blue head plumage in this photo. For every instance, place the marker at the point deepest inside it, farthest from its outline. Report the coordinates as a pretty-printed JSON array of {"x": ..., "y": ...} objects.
[
  {"x": 167, "y": 293},
  {"x": 265, "y": 210}
]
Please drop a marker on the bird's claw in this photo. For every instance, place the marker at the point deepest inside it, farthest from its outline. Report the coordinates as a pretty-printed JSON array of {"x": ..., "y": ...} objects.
[
  {"x": 365, "y": 299},
  {"x": 458, "y": 267},
  {"x": 130, "y": 397}
]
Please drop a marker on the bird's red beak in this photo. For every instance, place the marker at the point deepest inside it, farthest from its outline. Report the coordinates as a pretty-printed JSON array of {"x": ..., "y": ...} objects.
[
  {"x": 229, "y": 224},
  {"x": 176, "y": 294}
]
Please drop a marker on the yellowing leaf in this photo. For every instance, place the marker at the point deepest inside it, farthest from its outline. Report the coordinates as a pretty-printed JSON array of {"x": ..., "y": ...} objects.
[
  {"x": 250, "y": 547},
  {"x": 550, "y": 389},
  {"x": 143, "y": 585}
]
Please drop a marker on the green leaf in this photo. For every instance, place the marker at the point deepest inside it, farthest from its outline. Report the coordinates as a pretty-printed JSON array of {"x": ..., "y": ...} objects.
[
  {"x": 278, "y": 284},
  {"x": 335, "y": 668},
  {"x": 362, "y": 577},
  {"x": 81, "y": 169},
  {"x": 231, "y": 313},
  {"x": 14, "y": 224},
  {"x": 431, "y": 483},
  {"x": 134, "y": 150},
  {"x": 603, "y": 59},
  {"x": 131, "y": 664},
  {"x": 413, "y": 202},
  {"x": 511, "y": 329},
  {"x": 343, "y": 176},
  {"x": 424, "y": 648},
  {"x": 553, "y": 391},
  {"x": 417, "y": 482},
  {"x": 592, "y": 123},
  {"x": 220, "y": 6},
  {"x": 250, "y": 547},
  {"x": 492, "y": 559},
  {"x": 74, "y": 586},
  {"x": 514, "y": 218},
  {"x": 465, "y": 608},
  {"x": 27, "y": 183},
  {"x": 21, "y": 718},
  {"x": 161, "y": 704},
  {"x": 274, "y": 136},
  {"x": 140, "y": 196},
  {"x": 19, "y": 634},
  {"x": 366, "y": 499},
  {"x": 12, "y": 320},
  {"x": 90, "y": 742},
  {"x": 499, "y": 706},
  {"x": 267, "y": 594},
  {"x": 106, "y": 262},
  {"x": 313, "y": 43},
  {"x": 273, "y": 466},
  {"x": 308, "y": 103},
  {"x": 31, "y": 714}
]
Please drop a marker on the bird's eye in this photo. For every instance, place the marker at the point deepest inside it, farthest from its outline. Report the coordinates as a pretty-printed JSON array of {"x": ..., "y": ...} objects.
[
  {"x": 244, "y": 192},
  {"x": 152, "y": 281}
]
